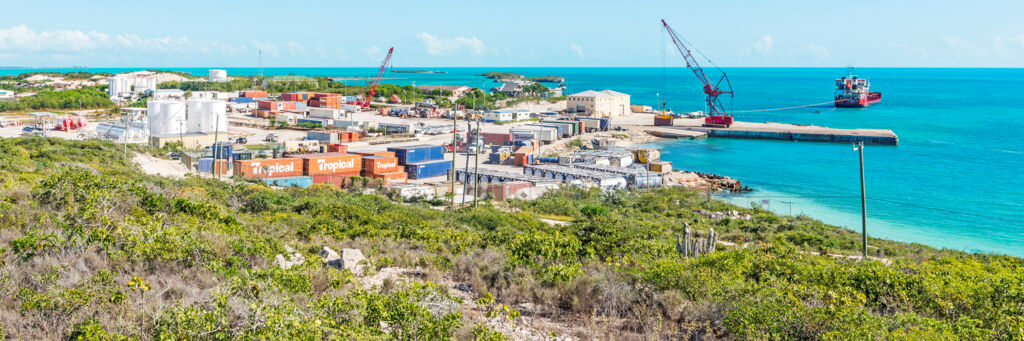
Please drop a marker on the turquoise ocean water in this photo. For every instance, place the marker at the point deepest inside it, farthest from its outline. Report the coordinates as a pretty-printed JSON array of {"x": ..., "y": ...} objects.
[{"x": 955, "y": 181}]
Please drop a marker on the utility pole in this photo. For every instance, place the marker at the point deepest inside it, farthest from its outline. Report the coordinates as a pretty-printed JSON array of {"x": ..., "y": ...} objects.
[
  {"x": 216, "y": 147},
  {"x": 455, "y": 135},
  {"x": 469, "y": 127},
  {"x": 127, "y": 118},
  {"x": 476, "y": 168},
  {"x": 863, "y": 203}
]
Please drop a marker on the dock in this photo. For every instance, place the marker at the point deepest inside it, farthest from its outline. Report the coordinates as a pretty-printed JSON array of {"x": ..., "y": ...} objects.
[
  {"x": 791, "y": 132},
  {"x": 677, "y": 133}
]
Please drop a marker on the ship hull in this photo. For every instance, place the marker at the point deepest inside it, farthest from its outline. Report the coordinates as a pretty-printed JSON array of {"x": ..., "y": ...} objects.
[{"x": 873, "y": 98}]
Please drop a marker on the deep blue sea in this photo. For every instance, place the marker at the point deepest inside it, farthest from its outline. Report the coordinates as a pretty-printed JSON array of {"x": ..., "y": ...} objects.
[{"x": 955, "y": 181}]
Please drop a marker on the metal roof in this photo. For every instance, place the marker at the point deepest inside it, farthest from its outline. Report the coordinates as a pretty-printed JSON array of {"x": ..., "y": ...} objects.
[{"x": 602, "y": 93}]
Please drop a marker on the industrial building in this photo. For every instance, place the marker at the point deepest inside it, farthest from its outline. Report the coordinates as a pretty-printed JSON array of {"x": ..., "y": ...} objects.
[
  {"x": 119, "y": 87},
  {"x": 6, "y": 94},
  {"x": 456, "y": 90},
  {"x": 605, "y": 103},
  {"x": 506, "y": 115}
]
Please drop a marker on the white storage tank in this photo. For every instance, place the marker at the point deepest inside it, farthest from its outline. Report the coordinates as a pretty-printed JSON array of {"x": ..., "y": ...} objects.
[
  {"x": 166, "y": 117},
  {"x": 218, "y": 75},
  {"x": 207, "y": 116}
]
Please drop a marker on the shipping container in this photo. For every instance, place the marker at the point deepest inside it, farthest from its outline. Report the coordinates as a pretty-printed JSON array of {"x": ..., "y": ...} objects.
[
  {"x": 392, "y": 178},
  {"x": 243, "y": 99},
  {"x": 419, "y": 153},
  {"x": 380, "y": 153},
  {"x": 496, "y": 138},
  {"x": 380, "y": 164},
  {"x": 206, "y": 165},
  {"x": 428, "y": 169},
  {"x": 498, "y": 157},
  {"x": 221, "y": 150},
  {"x": 337, "y": 148},
  {"x": 315, "y": 122},
  {"x": 560, "y": 130},
  {"x": 252, "y": 93},
  {"x": 645, "y": 155},
  {"x": 267, "y": 168},
  {"x": 339, "y": 180},
  {"x": 295, "y": 181},
  {"x": 330, "y": 163},
  {"x": 661, "y": 166},
  {"x": 325, "y": 137},
  {"x": 241, "y": 155}
]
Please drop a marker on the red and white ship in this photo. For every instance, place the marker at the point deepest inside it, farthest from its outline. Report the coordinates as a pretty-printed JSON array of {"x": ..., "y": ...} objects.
[{"x": 852, "y": 92}]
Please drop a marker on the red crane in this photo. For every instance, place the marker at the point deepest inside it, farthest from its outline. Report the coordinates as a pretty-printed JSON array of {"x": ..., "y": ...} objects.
[
  {"x": 716, "y": 112},
  {"x": 376, "y": 80}
]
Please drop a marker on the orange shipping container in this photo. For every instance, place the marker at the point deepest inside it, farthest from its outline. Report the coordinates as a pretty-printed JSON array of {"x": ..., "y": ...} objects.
[
  {"x": 339, "y": 180},
  {"x": 268, "y": 168},
  {"x": 330, "y": 163},
  {"x": 381, "y": 153},
  {"x": 380, "y": 164},
  {"x": 393, "y": 178},
  {"x": 337, "y": 148}
]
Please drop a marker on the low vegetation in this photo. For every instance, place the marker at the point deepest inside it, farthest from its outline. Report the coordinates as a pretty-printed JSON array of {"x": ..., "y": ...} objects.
[
  {"x": 94, "y": 249},
  {"x": 85, "y": 98}
]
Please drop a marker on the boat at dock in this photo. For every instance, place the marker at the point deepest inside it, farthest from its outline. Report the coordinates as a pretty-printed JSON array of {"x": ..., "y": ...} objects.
[{"x": 854, "y": 92}]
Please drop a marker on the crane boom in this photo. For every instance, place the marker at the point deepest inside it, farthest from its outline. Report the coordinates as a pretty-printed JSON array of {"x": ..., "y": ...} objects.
[
  {"x": 376, "y": 80},
  {"x": 711, "y": 90}
]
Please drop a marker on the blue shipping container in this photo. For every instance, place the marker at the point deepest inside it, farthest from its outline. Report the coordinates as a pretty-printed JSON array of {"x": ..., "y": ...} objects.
[
  {"x": 429, "y": 169},
  {"x": 420, "y": 153},
  {"x": 221, "y": 150},
  {"x": 244, "y": 99},
  {"x": 543, "y": 159},
  {"x": 295, "y": 181}
]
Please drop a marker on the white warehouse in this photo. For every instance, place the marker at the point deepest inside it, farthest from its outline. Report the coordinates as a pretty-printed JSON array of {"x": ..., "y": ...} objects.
[{"x": 605, "y": 103}]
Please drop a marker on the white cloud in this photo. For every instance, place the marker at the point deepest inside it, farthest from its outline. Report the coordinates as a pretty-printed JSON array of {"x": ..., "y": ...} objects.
[
  {"x": 763, "y": 46},
  {"x": 295, "y": 49},
  {"x": 578, "y": 49},
  {"x": 908, "y": 49},
  {"x": 1017, "y": 39},
  {"x": 818, "y": 50},
  {"x": 21, "y": 38},
  {"x": 321, "y": 50},
  {"x": 269, "y": 49},
  {"x": 441, "y": 46},
  {"x": 373, "y": 52}
]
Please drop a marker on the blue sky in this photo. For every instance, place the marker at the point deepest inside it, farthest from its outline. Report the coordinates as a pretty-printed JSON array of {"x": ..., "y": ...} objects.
[{"x": 217, "y": 33}]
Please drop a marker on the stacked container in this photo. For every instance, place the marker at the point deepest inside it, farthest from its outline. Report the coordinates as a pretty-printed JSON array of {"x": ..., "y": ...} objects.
[
  {"x": 267, "y": 168},
  {"x": 275, "y": 105},
  {"x": 522, "y": 156},
  {"x": 422, "y": 161},
  {"x": 333, "y": 168},
  {"x": 296, "y": 96},
  {"x": 252, "y": 93},
  {"x": 385, "y": 168}
]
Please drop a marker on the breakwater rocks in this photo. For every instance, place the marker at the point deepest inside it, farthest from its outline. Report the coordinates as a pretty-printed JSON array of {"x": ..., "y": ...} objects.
[{"x": 723, "y": 183}]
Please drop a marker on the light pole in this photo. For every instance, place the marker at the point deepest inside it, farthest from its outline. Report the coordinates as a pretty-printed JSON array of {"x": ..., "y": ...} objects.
[{"x": 859, "y": 147}]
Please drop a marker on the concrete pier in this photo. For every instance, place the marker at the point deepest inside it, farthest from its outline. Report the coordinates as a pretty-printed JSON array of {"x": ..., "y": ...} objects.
[
  {"x": 677, "y": 133},
  {"x": 792, "y": 132}
]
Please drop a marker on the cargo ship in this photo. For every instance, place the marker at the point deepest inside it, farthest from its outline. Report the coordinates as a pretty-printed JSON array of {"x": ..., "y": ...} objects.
[{"x": 853, "y": 92}]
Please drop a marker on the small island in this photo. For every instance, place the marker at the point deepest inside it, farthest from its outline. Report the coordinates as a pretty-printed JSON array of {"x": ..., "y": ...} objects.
[
  {"x": 548, "y": 79},
  {"x": 499, "y": 76}
]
